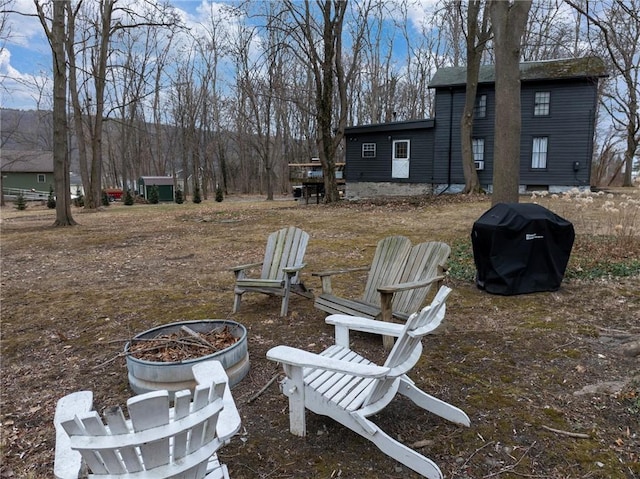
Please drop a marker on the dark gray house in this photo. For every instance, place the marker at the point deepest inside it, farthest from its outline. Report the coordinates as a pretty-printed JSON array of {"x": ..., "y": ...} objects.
[{"x": 558, "y": 101}]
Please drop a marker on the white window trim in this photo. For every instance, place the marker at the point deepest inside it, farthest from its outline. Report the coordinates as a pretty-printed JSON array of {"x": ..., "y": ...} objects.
[
  {"x": 537, "y": 105},
  {"x": 480, "y": 106},
  {"x": 478, "y": 154},
  {"x": 374, "y": 150},
  {"x": 539, "y": 152}
]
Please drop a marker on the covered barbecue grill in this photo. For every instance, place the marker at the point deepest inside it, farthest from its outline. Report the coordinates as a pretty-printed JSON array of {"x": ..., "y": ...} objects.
[{"x": 521, "y": 248}]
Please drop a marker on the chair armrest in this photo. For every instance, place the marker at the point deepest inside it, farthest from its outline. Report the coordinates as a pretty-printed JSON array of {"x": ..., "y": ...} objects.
[
  {"x": 245, "y": 266},
  {"x": 212, "y": 372},
  {"x": 300, "y": 358},
  {"x": 365, "y": 325},
  {"x": 340, "y": 271},
  {"x": 395, "y": 288},
  {"x": 325, "y": 276},
  {"x": 68, "y": 463},
  {"x": 294, "y": 269}
]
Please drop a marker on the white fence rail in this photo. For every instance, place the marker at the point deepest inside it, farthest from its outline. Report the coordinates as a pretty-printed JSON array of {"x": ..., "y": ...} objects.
[{"x": 29, "y": 195}]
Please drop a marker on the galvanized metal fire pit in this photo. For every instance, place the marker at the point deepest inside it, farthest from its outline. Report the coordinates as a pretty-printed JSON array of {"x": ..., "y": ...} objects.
[{"x": 145, "y": 376}]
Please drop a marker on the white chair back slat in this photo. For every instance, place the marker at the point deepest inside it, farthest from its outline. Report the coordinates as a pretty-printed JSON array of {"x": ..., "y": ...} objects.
[
  {"x": 146, "y": 412},
  {"x": 181, "y": 408},
  {"x": 200, "y": 400},
  {"x": 408, "y": 347},
  {"x": 118, "y": 425},
  {"x": 76, "y": 427}
]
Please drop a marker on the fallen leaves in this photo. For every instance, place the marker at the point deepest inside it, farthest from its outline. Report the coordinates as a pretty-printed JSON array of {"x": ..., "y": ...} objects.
[{"x": 181, "y": 346}]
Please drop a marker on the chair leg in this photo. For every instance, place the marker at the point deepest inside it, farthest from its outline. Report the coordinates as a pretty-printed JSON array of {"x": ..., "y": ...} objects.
[
  {"x": 236, "y": 302},
  {"x": 433, "y": 404},
  {"x": 285, "y": 304},
  {"x": 401, "y": 453},
  {"x": 293, "y": 388}
]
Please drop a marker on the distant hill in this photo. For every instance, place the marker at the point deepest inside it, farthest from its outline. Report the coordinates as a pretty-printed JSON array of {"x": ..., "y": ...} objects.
[{"x": 26, "y": 129}]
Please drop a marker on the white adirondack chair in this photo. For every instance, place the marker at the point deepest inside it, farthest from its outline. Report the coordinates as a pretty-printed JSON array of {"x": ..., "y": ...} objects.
[
  {"x": 280, "y": 272},
  {"x": 342, "y": 384},
  {"x": 157, "y": 441}
]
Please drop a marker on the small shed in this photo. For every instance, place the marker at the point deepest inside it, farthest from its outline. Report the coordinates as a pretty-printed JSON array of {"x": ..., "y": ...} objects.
[{"x": 164, "y": 184}]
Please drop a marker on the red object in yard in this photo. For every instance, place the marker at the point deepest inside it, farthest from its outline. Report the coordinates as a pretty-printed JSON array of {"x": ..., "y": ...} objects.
[{"x": 114, "y": 194}]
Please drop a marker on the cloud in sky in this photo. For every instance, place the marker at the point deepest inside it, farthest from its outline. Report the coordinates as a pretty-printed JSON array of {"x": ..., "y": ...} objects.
[{"x": 26, "y": 56}]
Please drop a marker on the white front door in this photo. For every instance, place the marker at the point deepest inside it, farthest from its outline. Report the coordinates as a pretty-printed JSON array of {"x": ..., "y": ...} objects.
[{"x": 400, "y": 160}]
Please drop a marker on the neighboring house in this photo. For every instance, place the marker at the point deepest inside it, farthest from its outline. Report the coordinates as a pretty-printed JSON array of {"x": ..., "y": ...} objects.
[
  {"x": 26, "y": 170},
  {"x": 558, "y": 102},
  {"x": 163, "y": 183}
]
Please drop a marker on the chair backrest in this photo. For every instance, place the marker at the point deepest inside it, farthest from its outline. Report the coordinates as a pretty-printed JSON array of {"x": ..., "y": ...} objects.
[
  {"x": 170, "y": 441},
  {"x": 285, "y": 248},
  {"x": 388, "y": 262},
  {"x": 425, "y": 260},
  {"x": 408, "y": 347}
]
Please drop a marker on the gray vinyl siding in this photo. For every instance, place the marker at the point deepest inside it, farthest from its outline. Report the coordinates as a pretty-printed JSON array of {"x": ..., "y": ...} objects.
[
  {"x": 448, "y": 148},
  {"x": 379, "y": 168},
  {"x": 569, "y": 129}
]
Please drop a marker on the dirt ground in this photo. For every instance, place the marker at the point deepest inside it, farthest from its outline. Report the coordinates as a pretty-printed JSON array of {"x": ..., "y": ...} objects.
[{"x": 545, "y": 377}]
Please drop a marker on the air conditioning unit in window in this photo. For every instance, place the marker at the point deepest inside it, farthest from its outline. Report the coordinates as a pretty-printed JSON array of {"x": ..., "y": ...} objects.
[{"x": 479, "y": 165}]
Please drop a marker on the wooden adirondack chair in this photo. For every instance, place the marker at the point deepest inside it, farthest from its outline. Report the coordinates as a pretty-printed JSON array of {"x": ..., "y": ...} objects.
[
  {"x": 158, "y": 441},
  {"x": 399, "y": 281},
  {"x": 347, "y": 387},
  {"x": 280, "y": 269}
]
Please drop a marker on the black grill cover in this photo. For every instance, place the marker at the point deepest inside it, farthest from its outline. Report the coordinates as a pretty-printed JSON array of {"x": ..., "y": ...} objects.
[{"x": 521, "y": 248}]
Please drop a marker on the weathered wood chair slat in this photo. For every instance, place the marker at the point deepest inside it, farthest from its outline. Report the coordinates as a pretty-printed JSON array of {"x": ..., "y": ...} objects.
[
  {"x": 342, "y": 384},
  {"x": 158, "y": 441},
  {"x": 280, "y": 272},
  {"x": 399, "y": 280}
]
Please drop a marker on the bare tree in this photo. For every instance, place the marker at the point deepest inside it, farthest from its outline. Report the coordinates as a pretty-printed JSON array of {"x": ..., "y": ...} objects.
[
  {"x": 57, "y": 36},
  {"x": 477, "y": 35},
  {"x": 508, "y": 19},
  {"x": 318, "y": 41},
  {"x": 619, "y": 25}
]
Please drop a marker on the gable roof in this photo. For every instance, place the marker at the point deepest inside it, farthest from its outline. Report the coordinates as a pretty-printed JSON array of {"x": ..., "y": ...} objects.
[
  {"x": 26, "y": 161},
  {"x": 586, "y": 67},
  {"x": 156, "y": 180}
]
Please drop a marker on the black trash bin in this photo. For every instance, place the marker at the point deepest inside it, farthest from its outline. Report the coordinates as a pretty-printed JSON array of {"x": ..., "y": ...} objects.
[{"x": 521, "y": 248}]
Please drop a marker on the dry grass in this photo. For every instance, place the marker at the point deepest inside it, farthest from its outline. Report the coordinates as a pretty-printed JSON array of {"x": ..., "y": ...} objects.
[{"x": 71, "y": 297}]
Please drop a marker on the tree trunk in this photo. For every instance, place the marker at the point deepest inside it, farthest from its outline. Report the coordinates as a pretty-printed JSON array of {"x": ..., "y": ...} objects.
[
  {"x": 508, "y": 21},
  {"x": 476, "y": 41},
  {"x": 60, "y": 149}
]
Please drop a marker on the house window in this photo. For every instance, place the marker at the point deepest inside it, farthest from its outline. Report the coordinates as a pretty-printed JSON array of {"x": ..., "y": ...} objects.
[
  {"x": 541, "y": 103},
  {"x": 539, "y": 153},
  {"x": 400, "y": 160},
  {"x": 368, "y": 150},
  {"x": 42, "y": 178},
  {"x": 480, "y": 109},
  {"x": 477, "y": 145}
]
